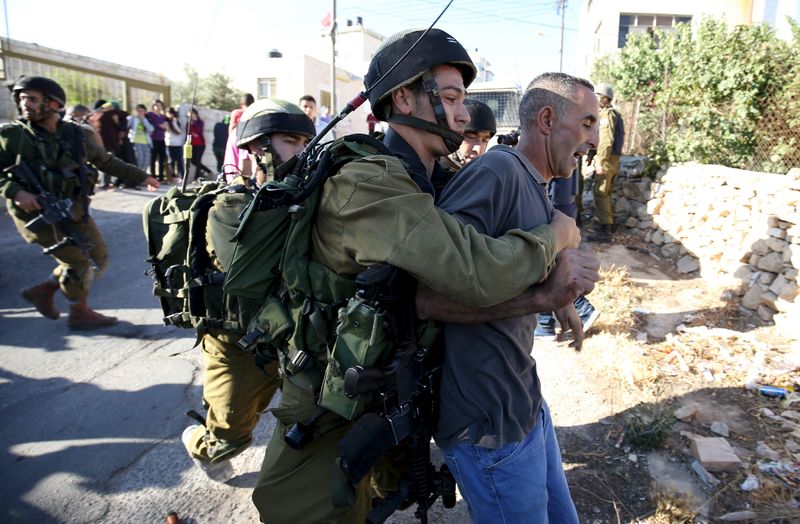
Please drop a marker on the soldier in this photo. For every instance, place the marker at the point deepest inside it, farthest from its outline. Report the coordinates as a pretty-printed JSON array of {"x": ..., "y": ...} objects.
[
  {"x": 234, "y": 388},
  {"x": 481, "y": 128},
  {"x": 381, "y": 209},
  {"x": 54, "y": 153},
  {"x": 606, "y": 162}
]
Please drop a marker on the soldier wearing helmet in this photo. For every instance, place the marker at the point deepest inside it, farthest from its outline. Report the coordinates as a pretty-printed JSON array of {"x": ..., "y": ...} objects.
[
  {"x": 381, "y": 209},
  {"x": 272, "y": 131},
  {"x": 55, "y": 152},
  {"x": 235, "y": 388},
  {"x": 606, "y": 162},
  {"x": 481, "y": 128}
]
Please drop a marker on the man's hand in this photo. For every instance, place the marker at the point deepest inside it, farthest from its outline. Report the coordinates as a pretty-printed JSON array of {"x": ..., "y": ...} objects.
[
  {"x": 152, "y": 183},
  {"x": 26, "y": 201},
  {"x": 575, "y": 274},
  {"x": 568, "y": 236},
  {"x": 570, "y": 321}
]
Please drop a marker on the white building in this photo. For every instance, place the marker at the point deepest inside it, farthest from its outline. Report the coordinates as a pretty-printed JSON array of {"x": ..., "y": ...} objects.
[
  {"x": 290, "y": 76},
  {"x": 604, "y": 25}
]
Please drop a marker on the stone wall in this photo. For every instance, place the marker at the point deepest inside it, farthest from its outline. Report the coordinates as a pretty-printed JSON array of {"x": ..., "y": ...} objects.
[{"x": 738, "y": 228}]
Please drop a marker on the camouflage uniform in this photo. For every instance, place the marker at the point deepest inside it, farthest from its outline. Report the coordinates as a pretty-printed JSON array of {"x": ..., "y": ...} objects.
[
  {"x": 609, "y": 164},
  {"x": 49, "y": 157}
]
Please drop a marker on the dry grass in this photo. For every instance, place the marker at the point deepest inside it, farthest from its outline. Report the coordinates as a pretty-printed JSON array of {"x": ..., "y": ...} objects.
[
  {"x": 671, "y": 507},
  {"x": 616, "y": 294}
]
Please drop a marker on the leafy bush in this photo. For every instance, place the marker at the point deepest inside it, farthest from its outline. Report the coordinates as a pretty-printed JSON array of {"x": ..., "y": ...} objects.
[{"x": 719, "y": 95}]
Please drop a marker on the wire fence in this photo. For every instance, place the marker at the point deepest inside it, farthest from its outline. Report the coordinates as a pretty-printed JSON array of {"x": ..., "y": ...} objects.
[{"x": 770, "y": 142}]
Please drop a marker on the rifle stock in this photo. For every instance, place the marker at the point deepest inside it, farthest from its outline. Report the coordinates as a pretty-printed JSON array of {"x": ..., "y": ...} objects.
[{"x": 406, "y": 410}]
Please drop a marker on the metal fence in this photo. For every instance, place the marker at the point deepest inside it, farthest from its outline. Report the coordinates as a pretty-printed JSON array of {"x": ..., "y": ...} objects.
[{"x": 771, "y": 145}]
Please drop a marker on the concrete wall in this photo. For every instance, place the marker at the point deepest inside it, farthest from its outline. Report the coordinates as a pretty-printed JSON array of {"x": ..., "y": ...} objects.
[{"x": 738, "y": 228}]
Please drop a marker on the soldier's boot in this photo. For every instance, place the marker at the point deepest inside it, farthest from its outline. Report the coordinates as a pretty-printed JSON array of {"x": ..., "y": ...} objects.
[
  {"x": 81, "y": 316},
  {"x": 41, "y": 296}
]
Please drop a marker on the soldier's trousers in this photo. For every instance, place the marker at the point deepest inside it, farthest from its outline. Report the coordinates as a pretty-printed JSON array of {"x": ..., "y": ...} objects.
[
  {"x": 74, "y": 271},
  {"x": 296, "y": 486},
  {"x": 236, "y": 391},
  {"x": 603, "y": 187}
]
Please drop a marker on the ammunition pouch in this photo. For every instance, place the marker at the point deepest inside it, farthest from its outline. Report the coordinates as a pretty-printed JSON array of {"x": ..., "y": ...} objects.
[{"x": 362, "y": 339}]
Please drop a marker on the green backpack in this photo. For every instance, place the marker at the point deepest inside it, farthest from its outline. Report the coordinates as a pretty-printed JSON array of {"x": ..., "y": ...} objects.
[
  {"x": 178, "y": 228},
  {"x": 299, "y": 299}
]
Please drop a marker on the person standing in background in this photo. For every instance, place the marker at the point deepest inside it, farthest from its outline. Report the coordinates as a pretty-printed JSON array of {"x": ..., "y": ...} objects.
[
  {"x": 220, "y": 139},
  {"x": 139, "y": 130},
  {"x": 175, "y": 136},
  {"x": 158, "y": 118},
  {"x": 197, "y": 129}
]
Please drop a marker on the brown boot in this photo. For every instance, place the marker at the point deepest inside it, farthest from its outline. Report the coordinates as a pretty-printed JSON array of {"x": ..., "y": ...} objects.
[
  {"x": 41, "y": 296},
  {"x": 81, "y": 316}
]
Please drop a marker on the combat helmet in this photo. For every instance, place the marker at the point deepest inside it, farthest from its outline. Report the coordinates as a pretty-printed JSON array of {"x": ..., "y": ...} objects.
[
  {"x": 605, "y": 89},
  {"x": 46, "y": 86},
  {"x": 267, "y": 116},
  {"x": 481, "y": 117},
  {"x": 435, "y": 48}
]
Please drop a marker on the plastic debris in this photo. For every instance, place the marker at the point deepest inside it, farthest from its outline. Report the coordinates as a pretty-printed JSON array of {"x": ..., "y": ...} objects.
[{"x": 750, "y": 483}]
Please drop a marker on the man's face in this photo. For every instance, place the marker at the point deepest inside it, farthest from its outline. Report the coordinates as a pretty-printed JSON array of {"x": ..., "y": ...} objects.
[
  {"x": 574, "y": 133},
  {"x": 452, "y": 93},
  {"x": 158, "y": 107},
  {"x": 603, "y": 100},
  {"x": 309, "y": 108},
  {"x": 474, "y": 144},
  {"x": 285, "y": 145},
  {"x": 34, "y": 107},
  {"x": 140, "y": 112}
]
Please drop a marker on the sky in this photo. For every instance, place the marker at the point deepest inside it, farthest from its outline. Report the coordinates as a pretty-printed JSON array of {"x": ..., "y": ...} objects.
[{"x": 520, "y": 38}]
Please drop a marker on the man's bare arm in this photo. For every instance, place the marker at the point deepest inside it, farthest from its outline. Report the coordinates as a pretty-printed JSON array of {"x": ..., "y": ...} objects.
[{"x": 575, "y": 274}]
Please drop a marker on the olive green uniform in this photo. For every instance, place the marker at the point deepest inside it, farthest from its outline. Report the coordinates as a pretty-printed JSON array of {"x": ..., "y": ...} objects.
[
  {"x": 49, "y": 157},
  {"x": 236, "y": 392},
  {"x": 609, "y": 164},
  {"x": 372, "y": 212}
]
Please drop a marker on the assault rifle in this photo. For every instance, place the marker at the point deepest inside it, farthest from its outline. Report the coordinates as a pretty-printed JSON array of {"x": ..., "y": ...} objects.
[
  {"x": 54, "y": 213},
  {"x": 405, "y": 409}
]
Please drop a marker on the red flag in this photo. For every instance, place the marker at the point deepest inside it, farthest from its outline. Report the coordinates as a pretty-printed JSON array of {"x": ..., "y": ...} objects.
[{"x": 327, "y": 21}]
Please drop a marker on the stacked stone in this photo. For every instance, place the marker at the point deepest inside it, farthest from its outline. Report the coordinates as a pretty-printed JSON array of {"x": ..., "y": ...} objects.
[{"x": 737, "y": 228}]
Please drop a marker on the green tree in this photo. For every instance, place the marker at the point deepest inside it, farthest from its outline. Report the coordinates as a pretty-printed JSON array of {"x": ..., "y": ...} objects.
[
  {"x": 212, "y": 91},
  {"x": 705, "y": 96}
]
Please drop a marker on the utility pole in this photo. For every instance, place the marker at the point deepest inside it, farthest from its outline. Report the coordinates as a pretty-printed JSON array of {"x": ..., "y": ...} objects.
[
  {"x": 563, "y": 6},
  {"x": 334, "y": 108}
]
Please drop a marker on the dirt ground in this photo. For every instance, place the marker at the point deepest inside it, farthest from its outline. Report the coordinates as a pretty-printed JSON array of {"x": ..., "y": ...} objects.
[{"x": 665, "y": 341}]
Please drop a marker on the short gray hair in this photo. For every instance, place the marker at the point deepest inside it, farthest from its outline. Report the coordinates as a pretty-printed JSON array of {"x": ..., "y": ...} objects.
[{"x": 549, "y": 89}]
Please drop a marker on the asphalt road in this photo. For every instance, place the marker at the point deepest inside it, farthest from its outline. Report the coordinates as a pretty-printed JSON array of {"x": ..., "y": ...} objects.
[{"x": 91, "y": 421}]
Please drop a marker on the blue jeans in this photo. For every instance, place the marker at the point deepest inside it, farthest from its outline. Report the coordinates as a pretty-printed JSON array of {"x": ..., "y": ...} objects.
[{"x": 521, "y": 482}]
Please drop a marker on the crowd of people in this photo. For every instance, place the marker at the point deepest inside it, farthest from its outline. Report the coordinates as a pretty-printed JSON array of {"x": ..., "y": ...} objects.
[
  {"x": 488, "y": 247},
  {"x": 152, "y": 139}
]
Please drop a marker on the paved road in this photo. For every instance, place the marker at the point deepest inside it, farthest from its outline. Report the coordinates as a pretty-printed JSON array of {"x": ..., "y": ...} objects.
[{"x": 91, "y": 420}]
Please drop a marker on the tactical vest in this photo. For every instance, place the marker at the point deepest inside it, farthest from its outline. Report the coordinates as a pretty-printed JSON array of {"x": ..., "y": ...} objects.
[
  {"x": 303, "y": 302},
  {"x": 55, "y": 160}
]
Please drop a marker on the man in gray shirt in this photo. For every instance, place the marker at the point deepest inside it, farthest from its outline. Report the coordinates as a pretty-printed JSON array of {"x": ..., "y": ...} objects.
[{"x": 495, "y": 428}]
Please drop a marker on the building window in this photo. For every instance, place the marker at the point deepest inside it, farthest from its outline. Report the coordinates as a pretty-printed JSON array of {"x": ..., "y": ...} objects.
[
  {"x": 325, "y": 100},
  {"x": 631, "y": 23},
  {"x": 267, "y": 88}
]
